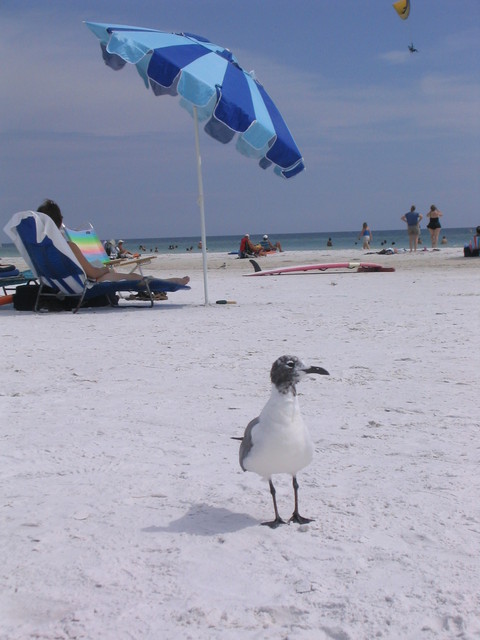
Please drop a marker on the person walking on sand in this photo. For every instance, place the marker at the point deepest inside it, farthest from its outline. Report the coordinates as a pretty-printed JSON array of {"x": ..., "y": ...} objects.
[
  {"x": 366, "y": 236},
  {"x": 434, "y": 225},
  {"x": 412, "y": 218}
]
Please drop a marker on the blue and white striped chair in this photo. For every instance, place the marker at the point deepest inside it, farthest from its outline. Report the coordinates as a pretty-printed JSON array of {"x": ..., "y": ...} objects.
[{"x": 45, "y": 250}]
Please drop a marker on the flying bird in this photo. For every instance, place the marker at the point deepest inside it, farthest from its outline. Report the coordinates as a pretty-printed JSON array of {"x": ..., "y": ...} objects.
[{"x": 277, "y": 441}]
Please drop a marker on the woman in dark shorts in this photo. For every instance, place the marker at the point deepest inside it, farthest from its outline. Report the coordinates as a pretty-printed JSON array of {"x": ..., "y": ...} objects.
[{"x": 434, "y": 225}]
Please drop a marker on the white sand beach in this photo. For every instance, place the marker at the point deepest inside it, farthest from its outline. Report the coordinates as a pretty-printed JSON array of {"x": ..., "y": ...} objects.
[{"x": 125, "y": 514}]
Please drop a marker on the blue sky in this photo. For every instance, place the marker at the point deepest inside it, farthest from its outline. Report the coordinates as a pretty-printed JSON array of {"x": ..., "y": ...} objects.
[{"x": 379, "y": 128}]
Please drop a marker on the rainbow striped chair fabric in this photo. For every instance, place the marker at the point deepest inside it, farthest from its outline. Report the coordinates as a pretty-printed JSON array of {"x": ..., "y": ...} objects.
[{"x": 92, "y": 248}]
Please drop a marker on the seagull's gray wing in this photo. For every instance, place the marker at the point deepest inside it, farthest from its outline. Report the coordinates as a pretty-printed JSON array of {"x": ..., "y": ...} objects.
[{"x": 247, "y": 443}]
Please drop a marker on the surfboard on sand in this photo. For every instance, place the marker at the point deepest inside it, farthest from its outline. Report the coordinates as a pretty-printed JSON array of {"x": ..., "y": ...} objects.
[{"x": 356, "y": 267}]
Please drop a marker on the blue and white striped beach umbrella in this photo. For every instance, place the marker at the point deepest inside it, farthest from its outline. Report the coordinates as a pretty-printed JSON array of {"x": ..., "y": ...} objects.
[
  {"x": 212, "y": 86},
  {"x": 209, "y": 78}
]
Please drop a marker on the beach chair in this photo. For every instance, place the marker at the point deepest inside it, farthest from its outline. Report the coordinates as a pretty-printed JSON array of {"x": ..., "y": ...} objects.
[
  {"x": 472, "y": 250},
  {"x": 92, "y": 248},
  {"x": 45, "y": 250},
  {"x": 9, "y": 279}
]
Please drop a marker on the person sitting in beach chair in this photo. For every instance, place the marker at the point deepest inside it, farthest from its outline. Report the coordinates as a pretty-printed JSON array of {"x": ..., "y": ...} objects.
[
  {"x": 472, "y": 250},
  {"x": 98, "y": 274},
  {"x": 53, "y": 261},
  {"x": 267, "y": 245},
  {"x": 123, "y": 252},
  {"x": 110, "y": 248},
  {"x": 248, "y": 249}
]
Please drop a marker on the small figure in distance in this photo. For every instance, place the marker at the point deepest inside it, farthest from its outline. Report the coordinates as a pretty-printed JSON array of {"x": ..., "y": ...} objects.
[
  {"x": 434, "y": 225},
  {"x": 412, "y": 218},
  {"x": 444, "y": 240},
  {"x": 329, "y": 243},
  {"x": 122, "y": 252},
  {"x": 110, "y": 247},
  {"x": 366, "y": 236},
  {"x": 412, "y": 49},
  {"x": 267, "y": 245},
  {"x": 248, "y": 249}
]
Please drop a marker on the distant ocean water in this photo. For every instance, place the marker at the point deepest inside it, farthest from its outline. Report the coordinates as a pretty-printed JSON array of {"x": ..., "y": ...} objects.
[{"x": 341, "y": 240}]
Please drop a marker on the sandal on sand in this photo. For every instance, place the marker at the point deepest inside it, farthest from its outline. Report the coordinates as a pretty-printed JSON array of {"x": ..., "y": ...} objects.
[{"x": 143, "y": 295}]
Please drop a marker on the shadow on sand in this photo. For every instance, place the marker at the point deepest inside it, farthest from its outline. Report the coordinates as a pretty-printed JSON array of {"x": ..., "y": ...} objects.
[{"x": 205, "y": 520}]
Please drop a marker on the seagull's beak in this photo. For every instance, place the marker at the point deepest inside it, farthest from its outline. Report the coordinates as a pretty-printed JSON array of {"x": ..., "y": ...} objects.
[{"x": 318, "y": 370}]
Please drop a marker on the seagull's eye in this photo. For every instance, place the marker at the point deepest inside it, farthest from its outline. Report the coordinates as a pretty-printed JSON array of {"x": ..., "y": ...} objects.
[{"x": 290, "y": 364}]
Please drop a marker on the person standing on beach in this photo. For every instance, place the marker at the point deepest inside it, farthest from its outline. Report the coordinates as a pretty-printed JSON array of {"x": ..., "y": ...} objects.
[
  {"x": 434, "y": 225},
  {"x": 366, "y": 236},
  {"x": 412, "y": 218}
]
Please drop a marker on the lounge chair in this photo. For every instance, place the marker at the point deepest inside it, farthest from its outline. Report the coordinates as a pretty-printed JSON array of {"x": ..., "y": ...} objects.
[
  {"x": 51, "y": 260},
  {"x": 472, "y": 250},
  {"x": 10, "y": 279},
  {"x": 90, "y": 245}
]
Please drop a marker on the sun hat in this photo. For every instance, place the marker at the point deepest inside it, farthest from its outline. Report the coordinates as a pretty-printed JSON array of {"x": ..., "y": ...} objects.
[
  {"x": 120, "y": 242},
  {"x": 265, "y": 237}
]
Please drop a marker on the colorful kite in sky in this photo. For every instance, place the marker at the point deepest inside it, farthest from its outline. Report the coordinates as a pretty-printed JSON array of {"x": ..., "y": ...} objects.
[{"x": 402, "y": 7}]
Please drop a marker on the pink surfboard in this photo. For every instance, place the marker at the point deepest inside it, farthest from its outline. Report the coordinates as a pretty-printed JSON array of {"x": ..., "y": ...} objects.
[{"x": 356, "y": 267}]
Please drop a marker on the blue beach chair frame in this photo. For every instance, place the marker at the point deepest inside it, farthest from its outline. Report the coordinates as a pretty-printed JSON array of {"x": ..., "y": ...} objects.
[{"x": 48, "y": 255}]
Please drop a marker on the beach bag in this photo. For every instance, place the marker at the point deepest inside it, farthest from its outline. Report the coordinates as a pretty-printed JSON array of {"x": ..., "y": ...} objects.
[{"x": 25, "y": 297}]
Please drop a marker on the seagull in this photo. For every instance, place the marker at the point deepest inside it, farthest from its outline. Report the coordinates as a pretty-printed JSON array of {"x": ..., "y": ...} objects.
[{"x": 277, "y": 441}]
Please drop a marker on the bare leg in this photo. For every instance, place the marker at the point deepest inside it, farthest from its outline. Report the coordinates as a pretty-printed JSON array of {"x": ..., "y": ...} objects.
[
  {"x": 184, "y": 280},
  {"x": 278, "y": 521},
  {"x": 296, "y": 517},
  {"x": 115, "y": 276}
]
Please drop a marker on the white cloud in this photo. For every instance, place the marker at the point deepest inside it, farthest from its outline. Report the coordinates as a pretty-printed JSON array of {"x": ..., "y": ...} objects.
[{"x": 396, "y": 57}]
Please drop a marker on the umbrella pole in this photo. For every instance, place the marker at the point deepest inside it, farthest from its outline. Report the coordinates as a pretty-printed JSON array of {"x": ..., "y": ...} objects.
[{"x": 201, "y": 205}]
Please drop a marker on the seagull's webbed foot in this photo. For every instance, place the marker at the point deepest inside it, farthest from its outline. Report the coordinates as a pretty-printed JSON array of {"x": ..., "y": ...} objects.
[
  {"x": 296, "y": 517},
  {"x": 274, "y": 523}
]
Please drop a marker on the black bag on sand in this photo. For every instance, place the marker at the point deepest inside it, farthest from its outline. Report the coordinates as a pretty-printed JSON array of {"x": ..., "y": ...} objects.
[{"x": 25, "y": 297}]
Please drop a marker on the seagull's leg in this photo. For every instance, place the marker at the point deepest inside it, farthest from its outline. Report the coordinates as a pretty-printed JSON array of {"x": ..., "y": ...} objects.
[
  {"x": 274, "y": 523},
  {"x": 296, "y": 517}
]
